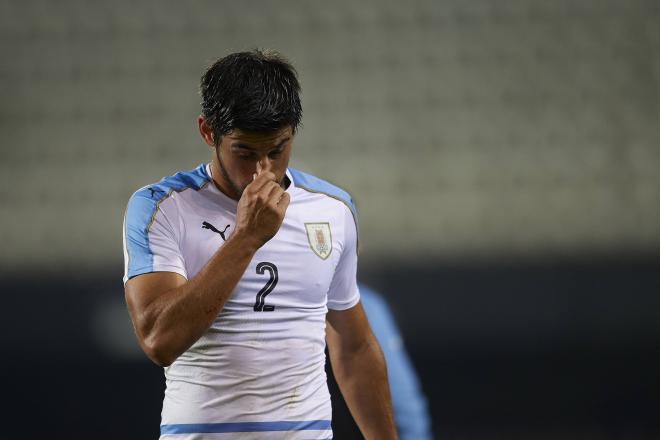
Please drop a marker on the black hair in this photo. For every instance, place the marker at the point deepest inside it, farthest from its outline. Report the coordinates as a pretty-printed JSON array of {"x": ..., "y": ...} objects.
[{"x": 252, "y": 91}]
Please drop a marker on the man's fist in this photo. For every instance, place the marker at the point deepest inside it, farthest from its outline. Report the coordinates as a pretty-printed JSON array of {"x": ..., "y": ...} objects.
[{"x": 261, "y": 208}]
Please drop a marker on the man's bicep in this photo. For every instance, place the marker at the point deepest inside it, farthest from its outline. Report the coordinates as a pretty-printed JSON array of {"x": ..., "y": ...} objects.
[{"x": 347, "y": 330}]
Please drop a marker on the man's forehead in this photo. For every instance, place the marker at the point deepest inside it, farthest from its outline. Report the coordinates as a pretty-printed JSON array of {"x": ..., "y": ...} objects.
[{"x": 256, "y": 139}]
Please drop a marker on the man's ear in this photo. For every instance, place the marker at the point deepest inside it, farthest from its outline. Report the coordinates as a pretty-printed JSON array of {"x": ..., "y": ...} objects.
[{"x": 205, "y": 131}]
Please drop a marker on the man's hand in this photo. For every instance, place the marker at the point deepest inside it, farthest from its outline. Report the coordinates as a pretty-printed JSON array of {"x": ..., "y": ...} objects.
[{"x": 261, "y": 208}]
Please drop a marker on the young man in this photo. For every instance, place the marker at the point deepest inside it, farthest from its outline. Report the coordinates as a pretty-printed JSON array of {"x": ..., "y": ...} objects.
[{"x": 234, "y": 268}]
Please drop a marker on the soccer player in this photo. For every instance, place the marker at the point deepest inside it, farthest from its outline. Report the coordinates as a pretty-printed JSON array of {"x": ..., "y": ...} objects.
[{"x": 234, "y": 268}]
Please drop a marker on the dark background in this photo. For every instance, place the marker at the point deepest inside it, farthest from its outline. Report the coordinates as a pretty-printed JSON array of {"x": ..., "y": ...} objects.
[{"x": 503, "y": 350}]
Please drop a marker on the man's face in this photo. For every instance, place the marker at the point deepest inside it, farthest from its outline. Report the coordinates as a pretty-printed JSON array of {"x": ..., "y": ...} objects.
[{"x": 238, "y": 153}]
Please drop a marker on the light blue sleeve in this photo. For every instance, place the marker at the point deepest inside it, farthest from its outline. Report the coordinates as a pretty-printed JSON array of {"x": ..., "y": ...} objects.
[{"x": 408, "y": 402}]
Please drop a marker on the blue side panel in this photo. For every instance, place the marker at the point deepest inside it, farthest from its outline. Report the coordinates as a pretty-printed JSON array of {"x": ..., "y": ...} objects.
[
  {"x": 138, "y": 215},
  {"x": 143, "y": 205},
  {"x": 208, "y": 428},
  {"x": 314, "y": 184}
]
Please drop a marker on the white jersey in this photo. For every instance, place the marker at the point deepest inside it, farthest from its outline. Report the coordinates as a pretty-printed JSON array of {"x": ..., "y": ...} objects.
[{"x": 258, "y": 372}]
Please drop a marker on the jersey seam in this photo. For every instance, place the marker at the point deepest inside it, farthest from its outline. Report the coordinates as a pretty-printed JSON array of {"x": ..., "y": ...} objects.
[
  {"x": 158, "y": 208},
  {"x": 167, "y": 196}
]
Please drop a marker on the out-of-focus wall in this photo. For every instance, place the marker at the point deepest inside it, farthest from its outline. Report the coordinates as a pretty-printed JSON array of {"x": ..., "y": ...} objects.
[
  {"x": 461, "y": 128},
  {"x": 486, "y": 129}
]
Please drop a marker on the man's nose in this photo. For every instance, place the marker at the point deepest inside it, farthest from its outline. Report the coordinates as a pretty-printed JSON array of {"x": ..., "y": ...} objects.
[{"x": 264, "y": 164}]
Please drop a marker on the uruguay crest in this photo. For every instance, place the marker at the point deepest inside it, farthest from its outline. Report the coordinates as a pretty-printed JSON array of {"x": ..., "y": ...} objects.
[{"x": 320, "y": 238}]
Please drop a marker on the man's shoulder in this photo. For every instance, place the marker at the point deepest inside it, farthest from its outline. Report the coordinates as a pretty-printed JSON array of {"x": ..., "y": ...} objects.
[
  {"x": 144, "y": 202},
  {"x": 313, "y": 184},
  {"x": 194, "y": 179}
]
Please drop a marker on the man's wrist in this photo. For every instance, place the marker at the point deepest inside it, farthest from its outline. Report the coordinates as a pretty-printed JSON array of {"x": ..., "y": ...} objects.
[{"x": 244, "y": 240}]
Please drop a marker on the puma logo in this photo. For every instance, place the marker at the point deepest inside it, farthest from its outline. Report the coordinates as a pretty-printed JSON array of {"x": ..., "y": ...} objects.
[
  {"x": 207, "y": 225},
  {"x": 153, "y": 191}
]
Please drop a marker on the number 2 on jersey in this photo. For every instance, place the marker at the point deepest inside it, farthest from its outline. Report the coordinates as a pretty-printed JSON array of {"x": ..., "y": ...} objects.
[{"x": 262, "y": 267}]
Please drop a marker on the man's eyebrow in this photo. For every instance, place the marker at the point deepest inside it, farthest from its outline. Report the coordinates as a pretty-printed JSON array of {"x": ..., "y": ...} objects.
[
  {"x": 243, "y": 146},
  {"x": 284, "y": 141}
]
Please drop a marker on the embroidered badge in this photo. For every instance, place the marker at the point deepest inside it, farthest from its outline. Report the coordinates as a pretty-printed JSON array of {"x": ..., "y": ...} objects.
[{"x": 320, "y": 238}]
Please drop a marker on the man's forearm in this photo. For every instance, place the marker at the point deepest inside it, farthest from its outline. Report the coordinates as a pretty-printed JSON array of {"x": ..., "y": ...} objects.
[
  {"x": 362, "y": 379},
  {"x": 179, "y": 317}
]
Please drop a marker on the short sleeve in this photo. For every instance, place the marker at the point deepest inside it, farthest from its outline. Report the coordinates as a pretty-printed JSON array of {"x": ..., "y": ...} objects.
[
  {"x": 150, "y": 241},
  {"x": 343, "y": 293}
]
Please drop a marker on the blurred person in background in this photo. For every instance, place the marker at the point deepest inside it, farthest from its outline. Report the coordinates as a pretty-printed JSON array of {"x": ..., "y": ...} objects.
[
  {"x": 232, "y": 270},
  {"x": 408, "y": 401}
]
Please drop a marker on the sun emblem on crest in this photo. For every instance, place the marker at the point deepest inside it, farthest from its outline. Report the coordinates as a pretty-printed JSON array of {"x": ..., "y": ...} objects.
[{"x": 320, "y": 239}]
